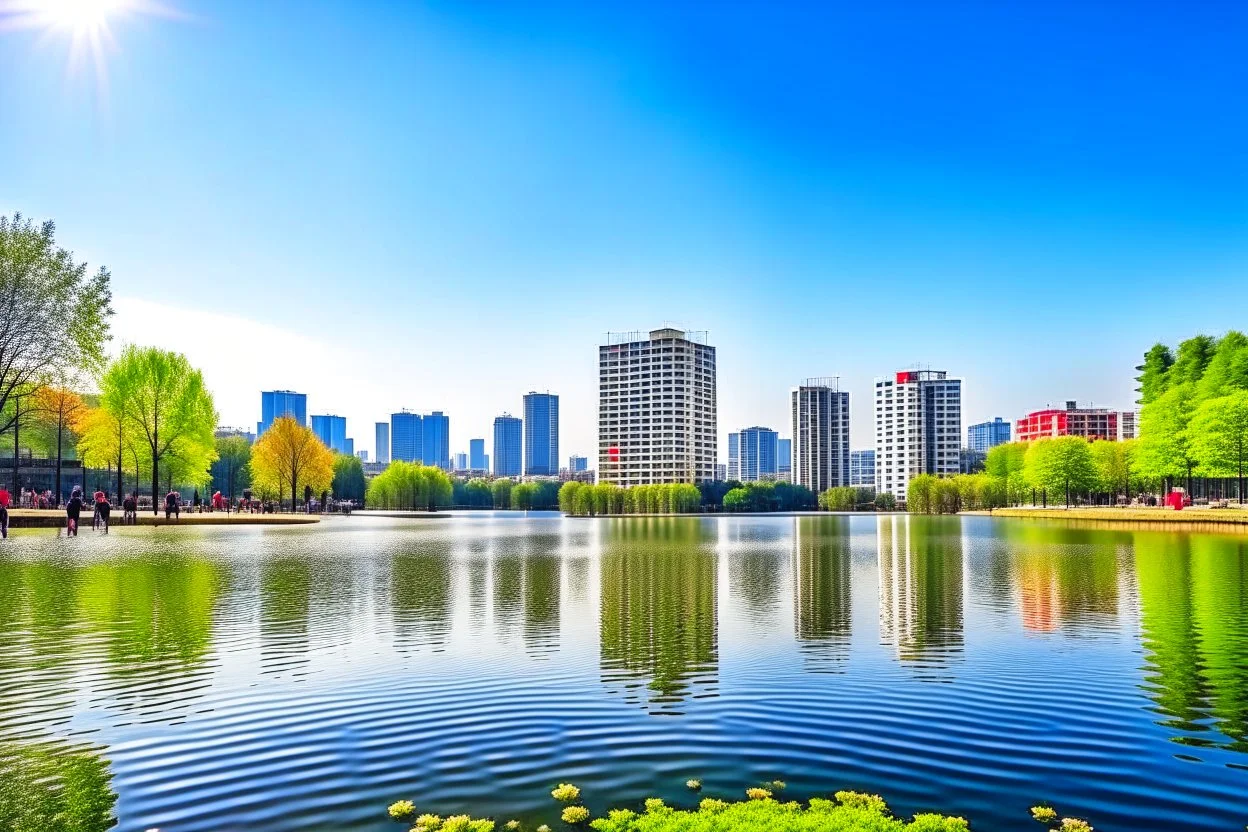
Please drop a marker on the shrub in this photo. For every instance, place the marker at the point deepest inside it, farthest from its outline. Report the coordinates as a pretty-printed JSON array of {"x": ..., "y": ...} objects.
[
  {"x": 401, "y": 809},
  {"x": 757, "y": 794},
  {"x": 575, "y": 814},
  {"x": 1075, "y": 825},
  {"x": 566, "y": 793},
  {"x": 429, "y": 822}
]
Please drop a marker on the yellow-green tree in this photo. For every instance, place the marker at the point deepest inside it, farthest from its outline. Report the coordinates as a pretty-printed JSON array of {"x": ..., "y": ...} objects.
[
  {"x": 1219, "y": 437},
  {"x": 410, "y": 485},
  {"x": 289, "y": 454},
  {"x": 1062, "y": 464},
  {"x": 58, "y": 410}
]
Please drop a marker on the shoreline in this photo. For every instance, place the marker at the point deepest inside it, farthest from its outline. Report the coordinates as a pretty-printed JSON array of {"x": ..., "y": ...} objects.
[
  {"x": 34, "y": 518},
  {"x": 1189, "y": 519}
]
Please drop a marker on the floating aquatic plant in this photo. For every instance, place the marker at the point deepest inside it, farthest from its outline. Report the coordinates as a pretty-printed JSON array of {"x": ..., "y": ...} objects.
[
  {"x": 543, "y": 828},
  {"x": 429, "y": 822},
  {"x": 1044, "y": 814},
  {"x": 566, "y": 793},
  {"x": 778, "y": 785},
  {"x": 1075, "y": 825},
  {"x": 400, "y": 809},
  {"x": 512, "y": 825},
  {"x": 696, "y": 785},
  {"x": 575, "y": 814},
  {"x": 757, "y": 793}
]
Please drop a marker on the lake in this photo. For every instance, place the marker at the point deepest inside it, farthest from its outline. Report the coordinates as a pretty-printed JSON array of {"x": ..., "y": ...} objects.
[{"x": 305, "y": 677}]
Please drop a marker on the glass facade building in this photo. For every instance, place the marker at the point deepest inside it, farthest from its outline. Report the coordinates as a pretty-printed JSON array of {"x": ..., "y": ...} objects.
[
  {"x": 862, "y": 468},
  {"x": 508, "y": 446},
  {"x": 436, "y": 440},
  {"x": 987, "y": 435},
  {"x": 332, "y": 430},
  {"x": 477, "y": 460},
  {"x": 382, "y": 451},
  {"x": 754, "y": 455},
  {"x": 277, "y": 403},
  {"x": 407, "y": 437},
  {"x": 541, "y": 434}
]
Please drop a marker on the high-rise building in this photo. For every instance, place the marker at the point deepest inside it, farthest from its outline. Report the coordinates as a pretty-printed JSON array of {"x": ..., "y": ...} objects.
[
  {"x": 331, "y": 430},
  {"x": 541, "y": 434},
  {"x": 721, "y": 472},
  {"x": 477, "y": 460},
  {"x": 656, "y": 408},
  {"x": 1089, "y": 422},
  {"x": 277, "y": 403},
  {"x": 918, "y": 428},
  {"x": 382, "y": 451},
  {"x": 436, "y": 440},
  {"x": 460, "y": 461},
  {"x": 362, "y": 453},
  {"x": 733, "y": 469},
  {"x": 508, "y": 446},
  {"x": 349, "y": 447},
  {"x": 578, "y": 463},
  {"x": 862, "y": 468},
  {"x": 784, "y": 460},
  {"x": 820, "y": 434},
  {"x": 407, "y": 438},
  {"x": 987, "y": 435},
  {"x": 753, "y": 456}
]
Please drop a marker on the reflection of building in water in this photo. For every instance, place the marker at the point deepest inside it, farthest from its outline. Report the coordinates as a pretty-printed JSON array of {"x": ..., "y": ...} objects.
[
  {"x": 921, "y": 587},
  {"x": 658, "y": 616},
  {"x": 821, "y": 602},
  {"x": 1063, "y": 589},
  {"x": 1193, "y": 593}
]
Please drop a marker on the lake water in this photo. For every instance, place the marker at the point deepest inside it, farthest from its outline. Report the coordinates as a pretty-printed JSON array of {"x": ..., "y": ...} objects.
[{"x": 305, "y": 677}]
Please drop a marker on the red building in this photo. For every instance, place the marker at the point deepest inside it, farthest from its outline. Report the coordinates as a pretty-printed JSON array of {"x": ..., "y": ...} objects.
[{"x": 1088, "y": 422}]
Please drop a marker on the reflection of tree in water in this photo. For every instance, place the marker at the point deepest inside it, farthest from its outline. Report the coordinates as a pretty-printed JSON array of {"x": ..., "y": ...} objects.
[
  {"x": 754, "y": 575},
  {"x": 420, "y": 599},
  {"x": 821, "y": 598},
  {"x": 921, "y": 588},
  {"x": 1067, "y": 578},
  {"x": 541, "y": 604},
  {"x": 285, "y": 607},
  {"x": 54, "y": 786},
  {"x": 658, "y": 616},
  {"x": 1194, "y": 615}
]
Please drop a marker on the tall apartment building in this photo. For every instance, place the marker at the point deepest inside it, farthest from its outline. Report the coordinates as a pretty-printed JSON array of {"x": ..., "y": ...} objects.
[
  {"x": 382, "y": 451},
  {"x": 1089, "y": 422},
  {"x": 753, "y": 454},
  {"x": 1128, "y": 425},
  {"x": 576, "y": 463},
  {"x": 460, "y": 462},
  {"x": 656, "y": 408},
  {"x": 508, "y": 442},
  {"x": 331, "y": 430},
  {"x": 862, "y": 468},
  {"x": 820, "y": 434},
  {"x": 477, "y": 460},
  {"x": 436, "y": 440},
  {"x": 985, "y": 435},
  {"x": 784, "y": 460},
  {"x": 277, "y": 403},
  {"x": 918, "y": 428},
  {"x": 407, "y": 438},
  {"x": 541, "y": 434}
]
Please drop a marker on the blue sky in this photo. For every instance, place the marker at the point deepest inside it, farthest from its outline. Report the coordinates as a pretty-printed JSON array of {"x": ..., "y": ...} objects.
[{"x": 442, "y": 206}]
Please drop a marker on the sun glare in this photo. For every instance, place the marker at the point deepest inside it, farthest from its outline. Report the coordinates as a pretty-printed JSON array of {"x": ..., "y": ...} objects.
[{"x": 80, "y": 15}]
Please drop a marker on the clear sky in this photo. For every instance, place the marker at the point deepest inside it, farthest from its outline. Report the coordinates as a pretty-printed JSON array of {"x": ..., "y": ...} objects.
[{"x": 441, "y": 206}]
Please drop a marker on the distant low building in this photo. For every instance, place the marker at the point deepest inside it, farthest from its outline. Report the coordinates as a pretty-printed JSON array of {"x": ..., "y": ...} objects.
[
  {"x": 862, "y": 468},
  {"x": 576, "y": 462},
  {"x": 222, "y": 432},
  {"x": 1091, "y": 423},
  {"x": 985, "y": 435},
  {"x": 362, "y": 454}
]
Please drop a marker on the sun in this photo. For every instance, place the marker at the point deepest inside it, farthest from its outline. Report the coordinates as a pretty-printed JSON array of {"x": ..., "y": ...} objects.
[{"x": 79, "y": 15}]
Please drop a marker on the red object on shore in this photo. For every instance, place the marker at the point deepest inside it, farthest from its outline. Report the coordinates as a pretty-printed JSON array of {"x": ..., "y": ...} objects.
[{"x": 1175, "y": 500}]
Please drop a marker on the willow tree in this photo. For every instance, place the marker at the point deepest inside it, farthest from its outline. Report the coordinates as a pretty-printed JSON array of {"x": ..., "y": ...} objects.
[
  {"x": 53, "y": 315},
  {"x": 162, "y": 399},
  {"x": 1063, "y": 463},
  {"x": 289, "y": 454}
]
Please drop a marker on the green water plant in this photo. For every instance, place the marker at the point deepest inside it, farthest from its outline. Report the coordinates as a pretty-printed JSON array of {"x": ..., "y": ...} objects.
[
  {"x": 401, "y": 809},
  {"x": 850, "y": 812},
  {"x": 566, "y": 793},
  {"x": 512, "y": 825},
  {"x": 428, "y": 822},
  {"x": 574, "y": 814},
  {"x": 543, "y": 828},
  {"x": 1075, "y": 825},
  {"x": 1044, "y": 814},
  {"x": 758, "y": 793},
  {"x": 695, "y": 785}
]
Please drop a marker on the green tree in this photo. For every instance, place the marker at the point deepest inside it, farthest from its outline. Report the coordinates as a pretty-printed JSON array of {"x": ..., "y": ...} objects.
[
  {"x": 162, "y": 398},
  {"x": 410, "y": 485},
  {"x": 1113, "y": 466},
  {"x": 1154, "y": 373},
  {"x": 53, "y": 316},
  {"x": 501, "y": 490},
  {"x": 885, "y": 501},
  {"x": 1061, "y": 465},
  {"x": 1219, "y": 437},
  {"x": 738, "y": 499},
  {"x": 1228, "y": 368},
  {"x": 348, "y": 482},
  {"x": 1164, "y": 449},
  {"x": 920, "y": 494},
  {"x": 842, "y": 498},
  {"x": 231, "y": 470},
  {"x": 1193, "y": 357},
  {"x": 1006, "y": 462},
  {"x": 567, "y": 495}
]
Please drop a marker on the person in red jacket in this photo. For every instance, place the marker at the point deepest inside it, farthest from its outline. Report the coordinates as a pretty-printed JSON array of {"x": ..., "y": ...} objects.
[{"x": 5, "y": 499}]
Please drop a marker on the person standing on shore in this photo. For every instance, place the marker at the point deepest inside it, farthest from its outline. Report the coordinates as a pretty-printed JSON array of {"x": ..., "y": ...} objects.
[
  {"x": 73, "y": 510},
  {"x": 130, "y": 510},
  {"x": 5, "y": 499}
]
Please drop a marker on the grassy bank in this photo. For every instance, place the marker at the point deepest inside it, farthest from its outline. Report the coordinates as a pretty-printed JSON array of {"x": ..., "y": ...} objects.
[
  {"x": 26, "y": 518},
  {"x": 1221, "y": 519}
]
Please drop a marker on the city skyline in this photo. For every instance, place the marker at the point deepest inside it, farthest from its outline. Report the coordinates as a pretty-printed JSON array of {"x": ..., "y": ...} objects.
[{"x": 666, "y": 183}]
